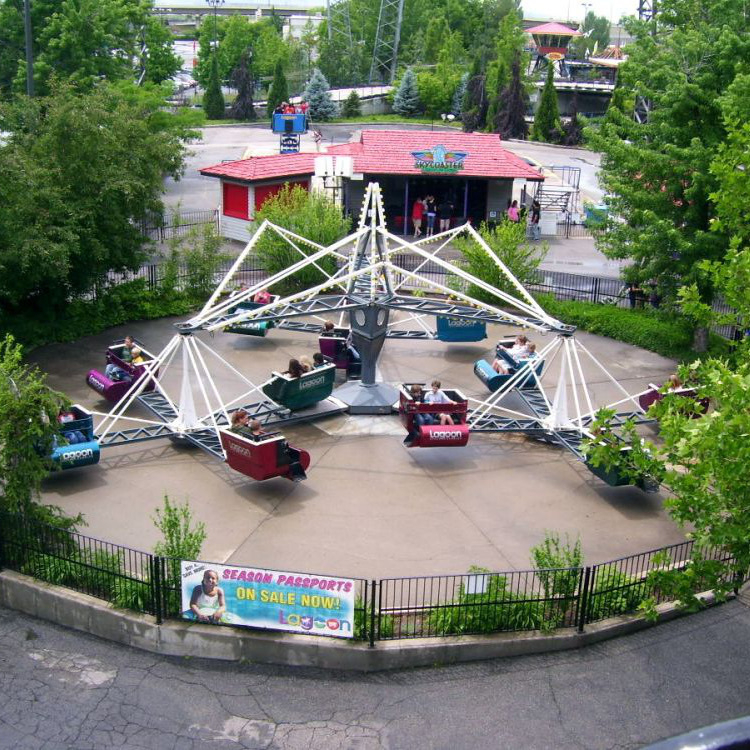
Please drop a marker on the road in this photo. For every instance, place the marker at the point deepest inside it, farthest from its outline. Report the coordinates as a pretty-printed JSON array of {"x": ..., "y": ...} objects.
[{"x": 63, "y": 689}]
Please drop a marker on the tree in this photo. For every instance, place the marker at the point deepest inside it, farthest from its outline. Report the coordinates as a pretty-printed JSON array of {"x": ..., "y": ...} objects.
[
  {"x": 547, "y": 117},
  {"x": 437, "y": 31},
  {"x": 86, "y": 40},
  {"x": 352, "y": 105},
  {"x": 314, "y": 216},
  {"x": 318, "y": 96},
  {"x": 572, "y": 133},
  {"x": 242, "y": 80},
  {"x": 406, "y": 100},
  {"x": 458, "y": 95},
  {"x": 510, "y": 43},
  {"x": 474, "y": 110},
  {"x": 595, "y": 35},
  {"x": 80, "y": 171},
  {"x": 28, "y": 429},
  {"x": 213, "y": 98},
  {"x": 510, "y": 121},
  {"x": 658, "y": 173},
  {"x": 506, "y": 241},
  {"x": 278, "y": 92},
  {"x": 159, "y": 60}
]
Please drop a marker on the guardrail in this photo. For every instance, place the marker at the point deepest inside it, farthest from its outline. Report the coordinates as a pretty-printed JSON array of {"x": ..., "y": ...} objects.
[{"x": 386, "y": 609}]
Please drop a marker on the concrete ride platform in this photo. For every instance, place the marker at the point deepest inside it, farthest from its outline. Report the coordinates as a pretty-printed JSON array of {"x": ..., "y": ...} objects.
[{"x": 371, "y": 507}]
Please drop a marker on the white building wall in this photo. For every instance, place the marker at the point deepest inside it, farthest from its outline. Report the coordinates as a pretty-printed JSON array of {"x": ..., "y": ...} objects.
[
  {"x": 236, "y": 229},
  {"x": 498, "y": 193}
]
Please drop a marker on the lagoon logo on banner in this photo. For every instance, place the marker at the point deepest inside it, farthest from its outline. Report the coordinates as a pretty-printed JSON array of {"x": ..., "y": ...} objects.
[
  {"x": 259, "y": 598},
  {"x": 439, "y": 159}
]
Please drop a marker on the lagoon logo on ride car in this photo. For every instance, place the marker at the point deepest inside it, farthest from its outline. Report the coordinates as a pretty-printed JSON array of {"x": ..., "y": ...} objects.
[
  {"x": 95, "y": 383},
  {"x": 461, "y": 323},
  {"x": 76, "y": 455},
  {"x": 312, "y": 382},
  {"x": 235, "y": 448},
  {"x": 439, "y": 159},
  {"x": 445, "y": 435}
]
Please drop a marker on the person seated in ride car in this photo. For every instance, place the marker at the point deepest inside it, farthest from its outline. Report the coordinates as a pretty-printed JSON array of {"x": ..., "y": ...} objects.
[
  {"x": 320, "y": 360},
  {"x": 295, "y": 369},
  {"x": 137, "y": 356},
  {"x": 436, "y": 396},
  {"x": 113, "y": 371},
  {"x": 239, "y": 421},
  {"x": 72, "y": 436},
  {"x": 306, "y": 363},
  {"x": 263, "y": 297},
  {"x": 517, "y": 351},
  {"x": 328, "y": 329},
  {"x": 529, "y": 355},
  {"x": 256, "y": 429}
]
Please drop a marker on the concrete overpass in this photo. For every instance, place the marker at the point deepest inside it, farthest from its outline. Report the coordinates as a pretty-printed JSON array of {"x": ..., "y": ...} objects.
[{"x": 245, "y": 7}]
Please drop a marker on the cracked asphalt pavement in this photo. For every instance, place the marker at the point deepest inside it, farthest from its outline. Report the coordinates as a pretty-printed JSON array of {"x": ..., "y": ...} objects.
[{"x": 63, "y": 689}]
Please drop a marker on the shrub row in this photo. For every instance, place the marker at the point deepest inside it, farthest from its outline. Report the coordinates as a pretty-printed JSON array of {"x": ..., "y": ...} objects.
[{"x": 658, "y": 331}]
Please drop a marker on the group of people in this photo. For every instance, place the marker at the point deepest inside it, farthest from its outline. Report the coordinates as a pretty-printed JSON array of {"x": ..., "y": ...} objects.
[
  {"x": 242, "y": 424},
  {"x": 434, "y": 396},
  {"x": 427, "y": 210},
  {"x": 515, "y": 214},
  {"x": 522, "y": 351},
  {"x": 299, "y": 366},
  {"x": 130, "y": 354},
  {"x": 285, "y": 108}
]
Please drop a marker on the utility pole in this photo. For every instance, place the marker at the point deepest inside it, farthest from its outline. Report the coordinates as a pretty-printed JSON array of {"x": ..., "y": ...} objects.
[
  {"x": 29, "y": 48},
  {"x": 215, "y": 4}
]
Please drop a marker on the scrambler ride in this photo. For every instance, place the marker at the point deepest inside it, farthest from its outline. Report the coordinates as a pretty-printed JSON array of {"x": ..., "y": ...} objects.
[{"x": 364, "y": 291}]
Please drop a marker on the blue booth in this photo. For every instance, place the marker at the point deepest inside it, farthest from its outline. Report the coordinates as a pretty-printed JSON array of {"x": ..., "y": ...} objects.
[{"x": 289, "y": 124}]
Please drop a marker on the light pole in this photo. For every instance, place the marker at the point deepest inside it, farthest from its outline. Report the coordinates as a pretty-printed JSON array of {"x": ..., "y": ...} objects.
[
  {"x": 215, "y": 4},
  {"x": 586, "y": 7}
]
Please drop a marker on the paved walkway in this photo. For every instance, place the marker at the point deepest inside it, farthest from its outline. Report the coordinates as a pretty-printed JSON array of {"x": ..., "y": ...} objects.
[
  {"x": 371, "y": 507},
  {"x": 61, "y": 689}
]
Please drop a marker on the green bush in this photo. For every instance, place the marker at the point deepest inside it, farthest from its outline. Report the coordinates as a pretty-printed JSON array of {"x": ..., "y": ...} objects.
[
  {"x": 614, "y": 593},
  {"x": 311, "y": 215},
  {"x": 658, "y": 331},
  {"x": 494, "y": 610}
]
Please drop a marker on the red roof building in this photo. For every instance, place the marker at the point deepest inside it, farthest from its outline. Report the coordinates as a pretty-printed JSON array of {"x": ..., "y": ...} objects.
[
  {"x": 471, "y": 172},
  {"x": 552, "y": 39}
]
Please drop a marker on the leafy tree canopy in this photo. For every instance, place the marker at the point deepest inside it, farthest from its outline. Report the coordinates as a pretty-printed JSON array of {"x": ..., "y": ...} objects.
[
  {"x": 659, "y": 174},
  {"x": 79, "y": 171}
]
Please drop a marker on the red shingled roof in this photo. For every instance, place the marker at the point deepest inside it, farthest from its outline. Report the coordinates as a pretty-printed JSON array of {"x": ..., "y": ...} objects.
[
  {"x": 390, "y": 152},
  {"x": 553, "y": 29}
]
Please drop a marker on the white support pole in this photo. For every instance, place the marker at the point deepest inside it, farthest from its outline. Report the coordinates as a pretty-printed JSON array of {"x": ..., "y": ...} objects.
[
  {"x": 617, "y": 385},
  {"x": 535, "y": 310},
  {"x": 202, "y": 362},
  {"x": 584, "y": 384},
  {"x": 510, "y": 317},
  {"x": 571, "y": 372},
  {"x": 194, "y": 355}
]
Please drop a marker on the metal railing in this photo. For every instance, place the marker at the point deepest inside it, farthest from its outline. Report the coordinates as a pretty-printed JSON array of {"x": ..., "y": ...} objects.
[
  {"x": 387, "y": 609},
  {"x": 161, "y": 227}
]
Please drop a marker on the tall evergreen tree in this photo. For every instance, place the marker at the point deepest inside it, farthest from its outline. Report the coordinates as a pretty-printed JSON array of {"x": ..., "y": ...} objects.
[
  {"x": 242, "y": 80},
  {"x": 317, "y": 94},
  {"x": 352, "y": 106},
  {"x": 458, "y": 95},
  {"x": 279, "y": 91},
  {"x": 406, "y": 100},
  {"x": 547, "y": 117},
  {"x": 474, "y": 110},
  {"x": 510, "y": 121},
  {"x": 213, "y": 99}
]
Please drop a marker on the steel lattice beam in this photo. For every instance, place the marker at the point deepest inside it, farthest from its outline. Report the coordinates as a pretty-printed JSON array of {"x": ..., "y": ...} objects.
[{"x": 387, "y": 38}]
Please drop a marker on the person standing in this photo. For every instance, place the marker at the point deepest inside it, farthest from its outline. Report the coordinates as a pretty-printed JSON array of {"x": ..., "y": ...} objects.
[
  {"x": 431, "y": 213},
  {"x": 444, "y": 212},
  {"x": 417, "y": 216},
  {"x": 534, "y": 217},
  {"x": 513, "y": 214}
]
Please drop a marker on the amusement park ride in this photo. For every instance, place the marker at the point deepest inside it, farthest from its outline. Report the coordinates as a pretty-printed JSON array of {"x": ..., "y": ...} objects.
[{"x": 368, "y": 289}]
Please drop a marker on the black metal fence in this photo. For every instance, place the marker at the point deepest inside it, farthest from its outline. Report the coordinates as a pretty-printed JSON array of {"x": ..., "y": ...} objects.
[
  {"x": 167, "y": 226},
  {"x": 385, "y": 609}
]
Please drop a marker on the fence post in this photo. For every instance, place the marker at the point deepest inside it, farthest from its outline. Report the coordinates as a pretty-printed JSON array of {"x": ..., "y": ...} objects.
[
  {"x": 152, "y": 276},
  {"x": 596, "y": 289},
  {"x": 373, "y": 586},
  {"x": 583, "y": 599},
  {"x": 156, "y": 584}
]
